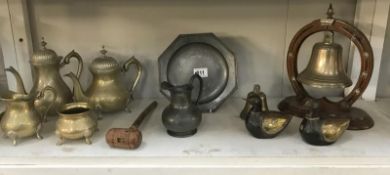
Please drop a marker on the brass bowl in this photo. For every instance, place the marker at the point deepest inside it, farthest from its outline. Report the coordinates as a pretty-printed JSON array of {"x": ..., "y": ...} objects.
[{"x": 76, "y": 121}]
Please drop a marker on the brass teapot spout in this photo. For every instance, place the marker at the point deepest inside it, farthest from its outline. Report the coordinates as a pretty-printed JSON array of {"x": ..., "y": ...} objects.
[{"x": 79, "y": 93}]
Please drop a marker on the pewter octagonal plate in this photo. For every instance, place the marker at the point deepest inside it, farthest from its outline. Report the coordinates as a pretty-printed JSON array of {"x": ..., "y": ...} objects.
[{"x": 205, "y": 54}]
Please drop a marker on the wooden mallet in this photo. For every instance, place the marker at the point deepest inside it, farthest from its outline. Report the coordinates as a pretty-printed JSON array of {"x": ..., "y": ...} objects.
[{"x": 129, "y": 138}]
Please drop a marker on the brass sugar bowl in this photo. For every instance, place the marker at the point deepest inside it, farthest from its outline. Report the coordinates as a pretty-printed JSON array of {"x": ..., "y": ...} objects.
[
  {"x": 76, "y": 121},
  {"x": 107, "y": 93}
]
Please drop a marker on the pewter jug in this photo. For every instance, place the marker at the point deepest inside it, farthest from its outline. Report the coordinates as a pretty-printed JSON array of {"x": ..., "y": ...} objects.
[
  {"x": 182, "y": 116},
  {"x": 46, "y": 67},
  {"x": 21, "y": 118},
  {"x": 106, "y": 92}
]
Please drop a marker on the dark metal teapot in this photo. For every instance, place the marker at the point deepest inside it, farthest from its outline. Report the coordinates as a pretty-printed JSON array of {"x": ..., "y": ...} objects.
[{"x": 182, "y": 116}]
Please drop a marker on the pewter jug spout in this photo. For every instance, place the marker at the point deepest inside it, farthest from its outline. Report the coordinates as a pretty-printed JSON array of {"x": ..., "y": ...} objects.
[
  {"x": 79, "y": 94},
  {"x": 19, "y": 82}
]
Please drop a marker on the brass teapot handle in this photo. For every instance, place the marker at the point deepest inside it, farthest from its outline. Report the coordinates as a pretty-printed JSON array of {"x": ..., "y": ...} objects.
[
  {"x": 138, "y": 66},
  {"x": 19, "y": 82},
  {"x": 74, "y": 54},
  {"x": 41, "y": 94}
]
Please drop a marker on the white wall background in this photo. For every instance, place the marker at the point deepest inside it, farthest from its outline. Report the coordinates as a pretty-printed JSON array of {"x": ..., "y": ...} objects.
[
  {"x": 384, "y": 80},
  {"x": 257, "y": 31}
]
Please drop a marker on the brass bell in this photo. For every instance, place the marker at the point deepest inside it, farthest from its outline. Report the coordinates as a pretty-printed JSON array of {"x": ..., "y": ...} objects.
[{"x": 325, "y": 68}]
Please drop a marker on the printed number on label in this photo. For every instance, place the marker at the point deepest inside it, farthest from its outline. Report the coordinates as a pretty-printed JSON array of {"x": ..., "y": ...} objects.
[{"x": 202, "y": 72}]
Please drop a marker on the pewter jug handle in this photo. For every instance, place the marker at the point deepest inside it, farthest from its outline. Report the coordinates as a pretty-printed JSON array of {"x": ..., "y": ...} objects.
[
  {"x": 126, "y": 67},
  {"x": 41, "y": 94},
  {"x": 74, "y": 54},
  {"x": 197, "y": 76}
]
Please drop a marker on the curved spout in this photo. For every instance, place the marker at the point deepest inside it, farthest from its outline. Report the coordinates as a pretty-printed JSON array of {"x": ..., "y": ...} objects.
[
  {"x": 19, "y": 82},
  {"x": 79, "y": 94}
]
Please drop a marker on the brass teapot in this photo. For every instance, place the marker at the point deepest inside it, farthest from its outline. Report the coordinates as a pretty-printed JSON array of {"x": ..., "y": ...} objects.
[
  {"x": 21, "y": 119},
  {"x": 46, "y": 65},
  {"x": 106, "y": 92}
]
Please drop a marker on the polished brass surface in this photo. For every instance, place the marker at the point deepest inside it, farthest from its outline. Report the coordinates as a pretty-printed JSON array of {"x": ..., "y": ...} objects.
[
  {"x": 106, "y": 93},
  {"x": 325, "y": 68},
  {"x": 273, "y": 124},
  {"x": 76, "y": 121},
  {"x": 20, "y": 118},
  {"x": 332, "y": 129},
  {"x": 46, "y": 65}
]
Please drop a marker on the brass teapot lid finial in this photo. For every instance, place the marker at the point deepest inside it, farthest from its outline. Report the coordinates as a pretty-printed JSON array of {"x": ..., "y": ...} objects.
[
  {"x": 103, "y": 51},
  {"x": 104, "y": 63},
  {"x": 43, "y": 43}
]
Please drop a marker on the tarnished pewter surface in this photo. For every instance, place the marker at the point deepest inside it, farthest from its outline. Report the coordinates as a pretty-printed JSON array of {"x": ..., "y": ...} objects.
[{"x": 205, "y": 54}]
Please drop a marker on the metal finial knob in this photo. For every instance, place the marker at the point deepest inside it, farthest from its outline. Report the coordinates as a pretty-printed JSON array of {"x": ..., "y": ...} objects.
[
  {"x": 330, "y": 11},
  {"x": 103, "y": 51},
  {"x": 43, "y": 43},
  {"x": 256, "y": 88}
]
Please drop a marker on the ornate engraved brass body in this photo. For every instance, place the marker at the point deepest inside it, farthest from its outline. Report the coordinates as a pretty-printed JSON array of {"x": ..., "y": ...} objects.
[
  {"x": 106, "y": 92},
  {"x": 46, "y": 65},
  {"x": 76, "y": 121},
  {"x": 21, "y": 118}
]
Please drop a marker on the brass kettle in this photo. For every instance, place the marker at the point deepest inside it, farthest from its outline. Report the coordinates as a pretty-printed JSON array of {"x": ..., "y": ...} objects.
[
  {"x": 106, "y": 92},
  {"x": 46, "y": 66},
  {"x": 21, "y": 119}
]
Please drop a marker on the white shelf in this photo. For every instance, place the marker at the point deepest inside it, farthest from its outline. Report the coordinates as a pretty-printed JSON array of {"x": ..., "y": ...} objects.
[{"x": 221, "y": 141}]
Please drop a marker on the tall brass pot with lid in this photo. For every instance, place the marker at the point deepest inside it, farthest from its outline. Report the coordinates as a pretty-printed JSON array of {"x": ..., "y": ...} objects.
[
  {"x": 107, "y": 93},
  {"x": 46, "y": 66}
]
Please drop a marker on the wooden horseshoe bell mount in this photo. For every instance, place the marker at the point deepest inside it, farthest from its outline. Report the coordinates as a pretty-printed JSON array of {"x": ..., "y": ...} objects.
[{"x": 295, "y": 105}]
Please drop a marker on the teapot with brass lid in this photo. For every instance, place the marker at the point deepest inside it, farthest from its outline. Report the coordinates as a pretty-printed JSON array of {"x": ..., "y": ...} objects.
[
  {"x": 106, "y": 93},
  {"x": 46, "y": 66}
]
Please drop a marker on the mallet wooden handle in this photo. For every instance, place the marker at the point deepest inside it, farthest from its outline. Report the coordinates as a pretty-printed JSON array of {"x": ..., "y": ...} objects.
[{"x": 143, "y": 115}]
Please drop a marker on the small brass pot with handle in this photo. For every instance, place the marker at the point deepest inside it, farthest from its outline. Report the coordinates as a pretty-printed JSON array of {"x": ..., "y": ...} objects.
[
  {"x": 106, "y": 93},
  {"x": 21, "y": 119}
]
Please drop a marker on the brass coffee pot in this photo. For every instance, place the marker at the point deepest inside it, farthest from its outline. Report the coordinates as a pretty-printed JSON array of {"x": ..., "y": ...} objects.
[
  {"x": 106, "y": 92},
  {"x": 325, "y": 68},
  {"x": 21, "y": 119},
  {"x": 46, "y": 66}
]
